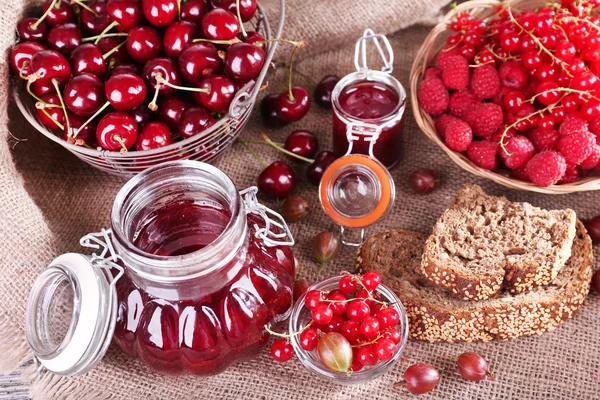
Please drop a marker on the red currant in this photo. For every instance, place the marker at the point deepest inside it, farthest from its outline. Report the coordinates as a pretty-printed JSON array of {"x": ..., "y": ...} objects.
[
  {"x": 351, "y": 330},
  {"x": 370, "y": 327},
  {"x": 366, "y": 355},
  {"x": 393, "y": 335},
  {"x": 282, "y": 350},
  {"x": 565, "y": 51},
  {"x": 364, "y": 295},
  {"x": 590, "y": 110},
  {"x": 335, "y": 325},
  {"x": 309, "y": 339},
  {"x": 313, "y": 299},
  {"x": 347, "y": 284},
  {"x": 546, "y": 93},
  {"x": 531, "y": 59},
  {"x": 384, "y": 349},
  {"x": 510, "y": 41},
  {"x": 322, "y": 314},
  {"x": 371, "y": 280},
  {"x": 340, "y": 304},
  {"x": 513, "y": 100},
  {"x": 357, "y": 310},
  {"x": 388, "y": 317}
]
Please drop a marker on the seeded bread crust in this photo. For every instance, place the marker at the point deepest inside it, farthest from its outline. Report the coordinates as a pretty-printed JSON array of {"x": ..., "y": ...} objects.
[
  {"x": 483, "y": 244},
  {"x": 435, "y": 316}
]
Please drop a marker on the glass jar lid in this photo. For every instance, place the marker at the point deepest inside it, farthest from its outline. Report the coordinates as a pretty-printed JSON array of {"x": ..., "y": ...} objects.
[
  {"x": 356, "y": 191},
  {"x": 71, "y": 313}
]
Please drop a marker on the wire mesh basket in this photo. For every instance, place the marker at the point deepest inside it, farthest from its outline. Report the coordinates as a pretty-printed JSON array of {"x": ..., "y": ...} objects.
[{"x": 206, "y": 146}]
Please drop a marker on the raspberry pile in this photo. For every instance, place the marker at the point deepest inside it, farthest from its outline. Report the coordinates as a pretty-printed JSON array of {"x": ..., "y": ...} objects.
[
  {"x": 521, "y": 91},
  {"x": 351, "y": 329},
  {"x": 123, "y": 75}
]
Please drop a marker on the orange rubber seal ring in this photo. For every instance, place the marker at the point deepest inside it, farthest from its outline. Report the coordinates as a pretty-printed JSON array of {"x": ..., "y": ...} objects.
[{"x": 382, "y": 174}]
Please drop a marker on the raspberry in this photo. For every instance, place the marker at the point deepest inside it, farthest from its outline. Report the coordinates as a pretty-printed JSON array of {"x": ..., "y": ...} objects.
[
  {"x": 485, "y": 119},
  {"x": 577, "y": 146},
  {"x": 432, "y": 72},
  {"x": 462, "y": 101},
  {"x": 573, "y": 123},
  {"x": 456, "y": 73},
  {"x": 485, "y": 82},
  {"x": 441, "y": 123},
  {"x": 513, "y": 74},
  {"x": 433, "y": 96},
  {"x": 442, "y": 57},
  {"x": 546, "y": 168},
  {"x": 497, "y": 137},
  {"x": 517, "y": 151},
  {"x": 458, "y": 135},
  {"x": 521, "y": 174},
  {"x": 571, "y": 174},
  {"x": 544, "y": 140},
  {"x": 594, "y": 127},
  {"x": 484, "y": 154},
  {"x": 592, "y": 161}
]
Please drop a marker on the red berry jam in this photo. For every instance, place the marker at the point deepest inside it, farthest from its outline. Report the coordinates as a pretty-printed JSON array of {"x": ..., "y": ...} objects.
[
  {"x": 371, "y": 103},
  {"x": 199, "y": 285}
]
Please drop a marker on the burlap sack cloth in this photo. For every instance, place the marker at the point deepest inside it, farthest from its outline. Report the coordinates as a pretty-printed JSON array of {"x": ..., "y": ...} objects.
[{"x": 48, "y": 199}]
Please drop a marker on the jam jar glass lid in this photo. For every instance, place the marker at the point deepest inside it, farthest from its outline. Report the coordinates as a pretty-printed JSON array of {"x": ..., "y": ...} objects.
[{"x": 71, "y": 313}]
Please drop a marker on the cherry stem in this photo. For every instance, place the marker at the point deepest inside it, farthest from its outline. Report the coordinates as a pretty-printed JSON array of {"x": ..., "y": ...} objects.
[
  {"x": 152, "y": 105},
  {"x": 37, "y": 23},
  {"x": 280, "y": 148},
  {"x": 260, "y": 141},
  {"x": 253, "y": 154},
  {"x": 111, "y": 51},
  {"x": 28, "y": 88},
  {"x": 106, "y": 30},
  {"x": 83, "y": 5},
  {"x": 61, "y": 126},
  {"x": 239, "y": 15},
  {"x": 298, "y": 46},
  {"x": 89, "y": 39},
  {"x": 288, "y": 335},
  {"x": 41, "y": 105},
  {"x": 225, "y": 42},
  {"x": 179, "y": 10},
  {"x": 62, "y": 103},
  {"x": 122, "y": 143},
  {"x": 91, "y": 118}
]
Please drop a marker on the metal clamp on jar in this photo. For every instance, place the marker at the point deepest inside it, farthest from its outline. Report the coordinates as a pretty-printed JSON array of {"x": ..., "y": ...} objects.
[{"x": 357, "y": 189}]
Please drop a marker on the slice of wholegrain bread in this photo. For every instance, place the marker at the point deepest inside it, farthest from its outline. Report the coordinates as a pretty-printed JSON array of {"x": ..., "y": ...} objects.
[
  {"x": 436, "y": 316},
  {"x": 484, "y": 243}
]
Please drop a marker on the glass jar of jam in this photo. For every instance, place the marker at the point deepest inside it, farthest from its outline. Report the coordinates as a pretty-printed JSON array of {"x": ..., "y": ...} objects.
[
  {"x": 368, "y": 105},
  {"x": 190, "y": 273}
]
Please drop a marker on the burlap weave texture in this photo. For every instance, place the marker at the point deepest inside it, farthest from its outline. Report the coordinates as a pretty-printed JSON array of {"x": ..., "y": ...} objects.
[{"x": 48, "y": 199}]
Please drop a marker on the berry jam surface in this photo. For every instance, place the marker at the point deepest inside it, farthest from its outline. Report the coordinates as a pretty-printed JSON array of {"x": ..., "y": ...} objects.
[
  {"x": 370, "y": 102},
  {"x": 216, "y": 319}
]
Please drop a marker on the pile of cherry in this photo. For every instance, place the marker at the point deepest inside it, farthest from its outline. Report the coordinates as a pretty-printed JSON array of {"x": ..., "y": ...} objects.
[
  {"x": 125, "y": 75},
  {"x": 521, "y": 91}
]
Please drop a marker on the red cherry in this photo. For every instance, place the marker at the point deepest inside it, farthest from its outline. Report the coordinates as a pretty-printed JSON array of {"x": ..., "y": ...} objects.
[
  {"x": 193, "y": 10},
  {"x": 117, "y": 57},
  {"x": 348, "y": 284},
  {"x": 56, "y": 113},
  {"x": 282, "y": 350},
  {"x": 220, "y": 24},
  {"x": 64, "y": 38},
  {"x": 309, "y": 339},
  {"x": 324, "y": 89},
  {"x": 243, "y": 61},
  {"x": 142, "y": 115},
  {"x": 143, "y": 44},
  {"x": 295, "y": 108},
  {"x": 277, "y": 181},
  {"x": 125, "y": 69},
  {"x": 153, "y": 135},
  {"x": 166, "y": 69},
  {"x": 177, "y": 36},
  {"x": 87, "y": 58},
  {"x": 60, "y": 13},
  {"x": 315, "y": 171},
  {"x": 194, "y": 120},
  {"x": 126, "y": 14},
  {"x": 253, "y": 38},
  {"x": 357, "y": 310},
  {"x": 78, "y": 136},
  {"x": 42, "y": 88},
  {"x": 117, "y": 131},
  {"x": 37, "y": 33},
  {"x": 221, "y": 93},
  {"x": 170, "y": 110},
  {"x": 20, "y": 57},
  {"x": 94, "y": 23},
  {"x": 125, "y": 91},
  {"x": 84, "y": 94},
  {"x": 268, "y": 112},
  {"x": 160, "y": 12},
  {"x": 197, "y": 61},
  {"x": 247, "y": 7},
  {"x": 302, "y": 143}
]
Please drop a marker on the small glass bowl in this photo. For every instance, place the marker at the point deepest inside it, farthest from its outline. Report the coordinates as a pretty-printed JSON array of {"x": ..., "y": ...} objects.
[{"x": 301, "y": 316}]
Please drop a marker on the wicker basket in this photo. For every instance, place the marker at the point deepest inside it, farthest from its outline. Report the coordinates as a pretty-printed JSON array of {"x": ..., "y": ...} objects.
[
  {"x": 206, "y": 146},
  {"x": 433, "y": 42}
]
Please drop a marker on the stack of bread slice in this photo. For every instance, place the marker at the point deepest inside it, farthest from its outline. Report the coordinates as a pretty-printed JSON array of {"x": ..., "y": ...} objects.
[{"x": 492, "y": 268}]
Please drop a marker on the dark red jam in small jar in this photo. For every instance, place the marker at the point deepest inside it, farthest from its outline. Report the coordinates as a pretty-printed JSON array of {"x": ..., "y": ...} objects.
[
  {"x": 186, "y": 280},
  {"x": 201, "y": 279},
  {"x": 368, "y": 106}
]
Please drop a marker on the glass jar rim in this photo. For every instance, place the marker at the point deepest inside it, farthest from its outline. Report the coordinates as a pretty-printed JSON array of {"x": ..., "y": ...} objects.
[
  {"x": 181, "y": 170},
  {"x": 370, "y": 76}
]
